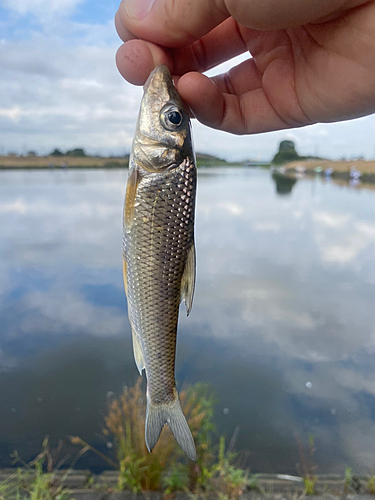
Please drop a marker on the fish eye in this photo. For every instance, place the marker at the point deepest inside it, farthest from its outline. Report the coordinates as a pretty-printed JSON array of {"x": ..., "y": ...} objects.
[
  {"x": 171, "y": 118},
  {"x": 174, "y": 117}
]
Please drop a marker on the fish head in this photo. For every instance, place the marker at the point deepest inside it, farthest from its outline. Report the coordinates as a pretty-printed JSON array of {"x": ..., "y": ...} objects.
[{"x": 163, "y": 136}]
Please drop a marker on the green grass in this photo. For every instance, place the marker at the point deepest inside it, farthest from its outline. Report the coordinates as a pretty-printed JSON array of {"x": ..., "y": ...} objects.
[
  {"x": 167, "y": 468},
  {"x": 371, "y": 485},
  {"x": 34, "y": 479}
]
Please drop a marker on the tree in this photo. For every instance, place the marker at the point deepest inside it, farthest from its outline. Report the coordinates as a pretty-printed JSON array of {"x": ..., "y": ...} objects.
[
  {"x": 56, "y": 152},
  {"x": 287, "y": 152},
  {"x": 76, "y": 152}
]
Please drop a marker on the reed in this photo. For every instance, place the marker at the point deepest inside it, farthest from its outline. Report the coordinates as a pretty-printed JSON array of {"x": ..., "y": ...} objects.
[{"x": 125, "y": 423}]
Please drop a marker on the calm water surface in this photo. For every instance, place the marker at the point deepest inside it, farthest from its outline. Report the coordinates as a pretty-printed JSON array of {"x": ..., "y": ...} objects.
[{"x": 283, "y": 322}]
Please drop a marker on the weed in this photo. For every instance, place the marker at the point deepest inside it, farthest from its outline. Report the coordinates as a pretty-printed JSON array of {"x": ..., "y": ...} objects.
[
  {"x": 253, "y": 482},
  {"x": 371, "y": 485},
  {"x": 306, "y": 469},
  {"x": 352, "y": 482},
  {"x": 7, "y": 489},
  {"x": 348, "y": 479},
  {"x": 177, "y": 480},
  {"x": 198, "y": 403},
  {"x": 38, "y": 484},
  {"x": 141, "y": 470},
  {"x": 309, "y": 484},
  {"x": 167, "y": 466},
  {"x": 225, "y": 477}
]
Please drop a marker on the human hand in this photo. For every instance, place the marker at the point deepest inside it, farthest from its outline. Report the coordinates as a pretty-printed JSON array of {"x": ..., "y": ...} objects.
[{"x": 311, "y": 61}]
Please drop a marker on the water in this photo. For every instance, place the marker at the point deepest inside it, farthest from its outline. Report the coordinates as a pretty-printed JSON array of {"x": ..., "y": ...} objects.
[{"x": 282, "y": 326}]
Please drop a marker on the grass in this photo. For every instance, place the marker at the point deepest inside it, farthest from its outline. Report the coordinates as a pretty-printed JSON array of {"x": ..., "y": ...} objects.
[
  {"x": 306, "y": 467},
  {"x": 35, "y": 162},
  {"x": 59, "y": 161},
  {"x": 371, "y": 485},
  {"x": 167, "y": 468},
  {"x": 34, "y": 479}
]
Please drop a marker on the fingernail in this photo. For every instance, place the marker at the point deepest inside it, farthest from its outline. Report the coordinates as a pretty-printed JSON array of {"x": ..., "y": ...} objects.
[{"x": 138, "y": 8}]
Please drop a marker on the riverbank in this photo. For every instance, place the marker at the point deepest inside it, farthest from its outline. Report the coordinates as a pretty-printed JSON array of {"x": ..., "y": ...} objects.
[
  {"x": 31, "y": 162},
  {"x": 342, "y": 170},
  {"x": 83, "y": 485},
  {"x": 41, "y": 162}
]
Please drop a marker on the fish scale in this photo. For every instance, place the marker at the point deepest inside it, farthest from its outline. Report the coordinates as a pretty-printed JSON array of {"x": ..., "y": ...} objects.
[
  {"x": 158, "y": 248},
  {"x": 155, "y": 277}
]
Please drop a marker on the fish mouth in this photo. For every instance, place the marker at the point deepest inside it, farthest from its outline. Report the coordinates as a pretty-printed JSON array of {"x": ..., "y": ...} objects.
[{"x": 160, "y": 83}]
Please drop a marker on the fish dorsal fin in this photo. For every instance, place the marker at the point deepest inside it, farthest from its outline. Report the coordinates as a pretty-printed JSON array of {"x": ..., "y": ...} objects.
[
  {"x": 131, "y": 192},
  {"x": 138, "y": 353},
  {"x": 188, "y": 279}
]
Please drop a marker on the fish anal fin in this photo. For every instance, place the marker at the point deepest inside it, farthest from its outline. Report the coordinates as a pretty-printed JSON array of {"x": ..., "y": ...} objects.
[
  {"x": 188, "y": 279},
  {"x": 131, "y": 192},
  {"x": 138, "y": 353}
]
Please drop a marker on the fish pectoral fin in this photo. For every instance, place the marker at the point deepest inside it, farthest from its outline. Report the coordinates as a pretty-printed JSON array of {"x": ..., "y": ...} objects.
[
  {"x": 188, "y": 279},
  {"x": 131, "y": 192},
  {"x": 138, "y": 353}
]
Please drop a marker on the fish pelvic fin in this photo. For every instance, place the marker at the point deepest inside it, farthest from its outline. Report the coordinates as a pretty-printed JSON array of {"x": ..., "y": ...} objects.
[
  {"x": 188, "y": 279},
  {"x": 138, "y": 352},
  {"x": 159, "y": 415}
]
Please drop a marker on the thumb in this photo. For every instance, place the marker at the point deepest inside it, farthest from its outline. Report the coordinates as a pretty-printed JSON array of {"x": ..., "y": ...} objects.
[{"x": 171, "y": 23}]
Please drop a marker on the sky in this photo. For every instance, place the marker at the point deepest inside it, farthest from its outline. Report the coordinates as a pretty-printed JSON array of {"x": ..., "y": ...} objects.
[{"x": 60, "y": 88}]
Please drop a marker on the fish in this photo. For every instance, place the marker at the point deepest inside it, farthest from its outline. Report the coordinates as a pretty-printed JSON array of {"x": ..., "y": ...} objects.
[{"x": 159, "y": 262}]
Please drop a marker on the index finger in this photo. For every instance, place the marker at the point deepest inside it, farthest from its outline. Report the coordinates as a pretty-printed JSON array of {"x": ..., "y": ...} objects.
[
  {"x": 171, "y": 23},
  {"x": 137, "y": 58}
]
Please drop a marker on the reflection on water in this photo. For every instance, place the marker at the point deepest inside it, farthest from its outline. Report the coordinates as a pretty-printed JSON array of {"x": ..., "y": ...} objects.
[
  {"x": 284, "y": 183},
  {"x": 283, "y": 323}
]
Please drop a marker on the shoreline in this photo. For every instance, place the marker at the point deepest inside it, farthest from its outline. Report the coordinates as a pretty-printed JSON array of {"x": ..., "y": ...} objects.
[
  {"x": 83, "y": 485},
  {"x": 359, "y": 170},
  {"x": 65, "y": 162},
  {"x": 61, "y": 162}
]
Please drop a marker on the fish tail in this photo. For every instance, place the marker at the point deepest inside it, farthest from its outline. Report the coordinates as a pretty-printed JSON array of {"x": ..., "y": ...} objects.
[{"x": 159, "y": 415}]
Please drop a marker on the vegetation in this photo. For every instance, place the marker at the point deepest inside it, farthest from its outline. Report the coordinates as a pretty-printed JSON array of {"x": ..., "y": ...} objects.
[
  {"x": 76, "y": 152},
  {"x": 306, "y": 467},
  {"x": 286, "y": 153},
  {"x": 226, "y": 478},
  {"x": 35, "y": 478},
  {"x": 56, "y": 152},
  {"x": 348, "y": 479},
  {"x": 77, "y": 158},
  {"x": 167, "y": 467},
  {"x": 352, "y": 482},
  {"x": 371, "y": 485}
]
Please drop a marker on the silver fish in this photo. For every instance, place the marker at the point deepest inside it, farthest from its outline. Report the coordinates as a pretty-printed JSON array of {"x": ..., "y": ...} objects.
[{"x": 158, "y": 248}]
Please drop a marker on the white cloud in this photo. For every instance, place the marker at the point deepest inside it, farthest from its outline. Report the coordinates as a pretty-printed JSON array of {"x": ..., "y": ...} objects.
[
  {"x": 74, "y": 97},
  {"x": 71, "y": 312},
  {"x": 331, "y": 220},
  {"x": 341, "y": 237},
  {"x": 41, "y": 8},
  {"x": 13, "y": 113},
  {"x": 60, "y": 88}
]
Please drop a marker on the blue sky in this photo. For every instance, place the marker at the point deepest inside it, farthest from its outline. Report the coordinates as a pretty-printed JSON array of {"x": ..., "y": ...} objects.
[{"x": 59, "y": 87}]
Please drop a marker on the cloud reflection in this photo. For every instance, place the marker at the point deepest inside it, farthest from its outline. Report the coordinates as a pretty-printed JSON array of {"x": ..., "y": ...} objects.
[{"x": 283, "y": 302}]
